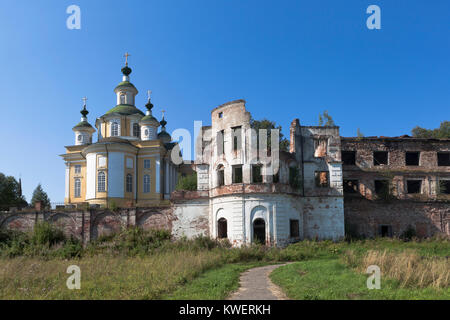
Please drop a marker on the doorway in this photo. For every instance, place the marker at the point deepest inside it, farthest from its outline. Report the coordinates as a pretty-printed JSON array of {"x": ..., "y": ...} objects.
[{"x": 259, "y": 231}]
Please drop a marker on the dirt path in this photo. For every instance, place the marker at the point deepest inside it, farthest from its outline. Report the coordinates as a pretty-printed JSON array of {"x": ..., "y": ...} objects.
[{"x": 255, "y": 284}]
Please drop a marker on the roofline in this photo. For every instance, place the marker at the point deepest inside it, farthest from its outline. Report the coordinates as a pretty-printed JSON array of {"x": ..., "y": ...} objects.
[{"x": 229, "y": 103}]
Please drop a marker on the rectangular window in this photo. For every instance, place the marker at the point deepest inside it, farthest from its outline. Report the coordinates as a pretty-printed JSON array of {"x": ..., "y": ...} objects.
[
  {"x": 129, "y": 163},
  {"x": 350, "y": 186},
  {"x": 444, "y": 186},
  {"x": 321, "y": 178},
  {"x": 380, "y": 158},
  {"x": 381, "y": 187},
  {"x": 276, "y": 177},
  {"x": 77, "y": 169},
  {"x": 385, "y": 230},
  {"x": 129, "y": 183},
  {"x": 414, "y": 186},
  {"x": 146, "y": 183},
  {"x": 77, "y": 188},
  {"x": 220, "y": 142},
  {"x": 294, "y": 228},
  {"x": 147, "y": 164},
  {"x": 237, "y": 174},
  {"x": 320, "y": 148},
  {"x": 412, "y": 158},
  {"x": 220, "y": 177},
  {"x": 443, "y": 159},
  {"x": 237, "y": 138},
  {"x": 349, "y": 157},
  {"x": 256, "y": 174},
  {"x": 220, "y": 114}
]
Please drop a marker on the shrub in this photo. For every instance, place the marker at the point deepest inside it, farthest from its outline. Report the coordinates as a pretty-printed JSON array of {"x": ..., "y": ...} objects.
[
  {"x": 187, "y": 183},
  {"x": 45, "y": 233},
  {"x": 409, "y": 233}
]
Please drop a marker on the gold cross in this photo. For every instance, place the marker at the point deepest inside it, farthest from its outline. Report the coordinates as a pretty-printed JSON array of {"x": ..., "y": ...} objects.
[
  {"x": 163, "y": 111},
  {"x": 149, "y": 92},
  {"x": 84, "y": 100},
  {"x": 126, "y": 58}
]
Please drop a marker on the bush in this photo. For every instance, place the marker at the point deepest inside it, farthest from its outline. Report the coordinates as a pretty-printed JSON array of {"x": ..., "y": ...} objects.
[
  {"x": 188, "y": 183},
  {"x": 46, "y": 234},
  {"x": 409, "y": 233}
]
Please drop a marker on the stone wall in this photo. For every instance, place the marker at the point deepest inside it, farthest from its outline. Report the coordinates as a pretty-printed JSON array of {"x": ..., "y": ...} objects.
[
  {"x": 180, "y": 219},
  {"x": 365, "y": 217}
]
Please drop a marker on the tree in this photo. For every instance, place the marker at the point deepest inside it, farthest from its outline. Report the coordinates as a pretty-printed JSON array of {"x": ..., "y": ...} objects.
[
  {"x": 327, "y": 117},
  {"x": 443, "y": 132},
  {"x": 10, "y": 193},
  {"x": 188, "y": 182},
  {"x": 40, "y": 195},
  {"x": 267, "y": 124}
]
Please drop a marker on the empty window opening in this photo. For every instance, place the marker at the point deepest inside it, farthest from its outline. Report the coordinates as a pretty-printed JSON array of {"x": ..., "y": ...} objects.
[
  {"x": 414, "y": 186},
  {"x": 294, "y": 228},
  {"x": 276, "y": 177},
  {"x": 222, "y": 228},
  {"x": 237, "y": 138},
  {"x": 256, "y": 174},
  {"x": 443, "y": 158},
  {"x": 412, "y": 158},
  {"x": 220, "y": 176},
  {"x": 321, "y": 178},
  {"x": 386, "y": 231},
  {"x": 380, "y": 157},
  {"x": 259, "y": 231},
  {"x": 320, "y": 148},
  {"x": 444, "y": 186},
  {"x": 381, "y": 187},
  {"x": 349, "y": 157},
  {"x": 220, "y": 142},
  {"x": 350, "y": 186},
  {"x": 237, "y": 174},
  {"x": 220, "y": 114}
]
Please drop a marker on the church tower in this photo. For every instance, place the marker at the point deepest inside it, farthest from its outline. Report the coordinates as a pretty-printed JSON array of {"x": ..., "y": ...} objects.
[
  {"x": 83, "y": 130},
  {"x": 149, "y": 124}
]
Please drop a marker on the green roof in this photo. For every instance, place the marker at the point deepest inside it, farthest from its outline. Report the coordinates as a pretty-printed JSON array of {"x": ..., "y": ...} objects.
[
  {"x": 83, "y": 124},
  {"x": 149, "y": 118},
  {"x": 125, "y": 109},
  {"x": 125, "y": 84}
]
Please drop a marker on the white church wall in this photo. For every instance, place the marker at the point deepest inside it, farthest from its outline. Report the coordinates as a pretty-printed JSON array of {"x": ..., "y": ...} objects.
[
  {"x": 91, "y": 175},
  {"x": 116, "y": 174}
]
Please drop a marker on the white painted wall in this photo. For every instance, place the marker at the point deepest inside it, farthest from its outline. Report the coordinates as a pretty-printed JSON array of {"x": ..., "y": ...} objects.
[
  {"x": 191, "y": 218},
  {"x": 116, "y": 174},
  {"x": 91, "y": 175}
]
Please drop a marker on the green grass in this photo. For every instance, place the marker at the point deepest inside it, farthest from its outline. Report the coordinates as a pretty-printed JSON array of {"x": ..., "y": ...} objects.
[
  {"x": 329, "y": 279},
  {"x": 216, "y": 284}
]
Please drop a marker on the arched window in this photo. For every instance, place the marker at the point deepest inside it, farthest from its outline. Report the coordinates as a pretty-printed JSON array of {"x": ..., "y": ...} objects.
[
  {"x": 101, "y": 182},
  {"x": 114, "y": 129},
  {"x": 122, "y": 98},
  {"x": 146, "y": 183},
  {"x": 222, "y": 228},
  {"x": 136, "y": 130},
  {"x": 77, "y": 188},
  {"x": 129, "y": 183},
  {"x": 220, "y": 175}
]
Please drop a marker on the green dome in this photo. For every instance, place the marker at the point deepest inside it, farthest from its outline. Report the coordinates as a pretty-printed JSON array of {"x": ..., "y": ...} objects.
[
  {"x": 125, "y": 84},
  {"x": 125, "y": 109},
  {"x": 164, "y": 136},
  {"x": 83, "y": 125}
]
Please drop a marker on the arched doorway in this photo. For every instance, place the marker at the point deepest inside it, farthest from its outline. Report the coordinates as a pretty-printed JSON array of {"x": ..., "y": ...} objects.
[
  {"x": 259, "y": 231},
  {"x": 222, "y": 228}
]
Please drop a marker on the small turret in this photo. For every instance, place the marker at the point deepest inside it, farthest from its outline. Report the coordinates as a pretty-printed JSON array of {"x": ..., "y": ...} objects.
[
  {"x": 83, "y": 130},
  {"x": 163, "y": 135},
  {"x": 149, "y": 124}
]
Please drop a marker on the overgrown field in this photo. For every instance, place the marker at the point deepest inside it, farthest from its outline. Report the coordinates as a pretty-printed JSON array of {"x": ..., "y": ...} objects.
[{"x": 137, "y": 264}]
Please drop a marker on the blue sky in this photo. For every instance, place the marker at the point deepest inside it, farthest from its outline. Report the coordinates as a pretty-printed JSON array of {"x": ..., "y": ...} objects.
[{"x": 287, "y": 59}]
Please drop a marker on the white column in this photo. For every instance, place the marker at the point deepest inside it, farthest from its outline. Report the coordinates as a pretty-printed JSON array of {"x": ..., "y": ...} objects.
[
  {"x": 67, "y": 185},
  {"x": 158, "y": 178}
]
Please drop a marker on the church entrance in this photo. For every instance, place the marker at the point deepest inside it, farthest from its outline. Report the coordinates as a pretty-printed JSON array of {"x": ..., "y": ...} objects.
[{"x": 259, "y": 231}]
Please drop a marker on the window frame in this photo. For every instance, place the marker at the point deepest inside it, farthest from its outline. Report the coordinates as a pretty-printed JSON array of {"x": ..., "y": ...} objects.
[
  {"x": 129, "y": 183},
  {"x": 77, "y": 188},
  {"x": 146, "y": 183},
  {"x": 101, "y": 181}
]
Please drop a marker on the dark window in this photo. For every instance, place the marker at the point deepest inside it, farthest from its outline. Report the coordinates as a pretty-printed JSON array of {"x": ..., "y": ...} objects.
[
  {"x": 220, "y": 176},
  {"x": 136, "y": 131},
  {"x": 237, "y": 137},
  {"x": 129, "y": 183},
  {"x": 414, "y": 186},
  {"x": 412, "y": 158},
  {"x": 294, "y": 180},
  {"x": 220, "y": 114},
  {"x": 350, "y": 186},
  {"x": 443, "y": 158},
  {"x": 259, "y": 231},
  {"x": 237, "y": 174},
  {"x": 349, "y": 157},
  {"x": 321, "y": 179},
  {"x": 222, "y": 228},
  {"x": 444, "y": 186},
  {"x": 380, "y": 157},
  {"x": 276, "y": 177},
  {"x": 381, "y": 187},
  {"x": 385, "y": 231},
  {"x": 256, "y": 174},
  {"x": 294, "y": 228}
]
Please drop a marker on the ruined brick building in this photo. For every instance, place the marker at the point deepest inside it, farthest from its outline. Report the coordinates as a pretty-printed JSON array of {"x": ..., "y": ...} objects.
[{"x": 323, "y": 187}]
